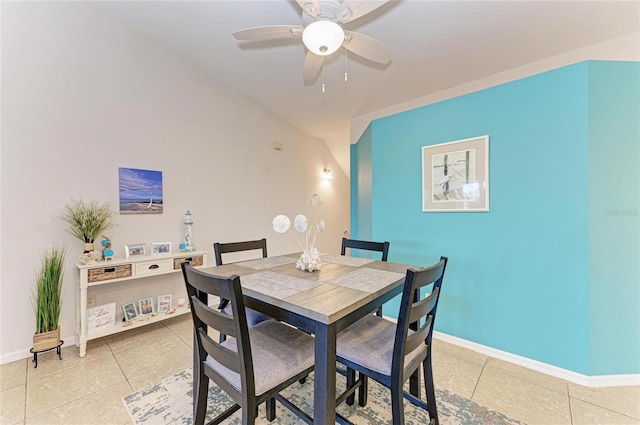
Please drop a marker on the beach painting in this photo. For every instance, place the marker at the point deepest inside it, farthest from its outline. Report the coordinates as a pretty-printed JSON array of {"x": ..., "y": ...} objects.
[{"x": 140, "y": 191}]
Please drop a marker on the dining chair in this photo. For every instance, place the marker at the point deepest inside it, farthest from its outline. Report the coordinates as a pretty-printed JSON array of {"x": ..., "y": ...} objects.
[
  {"x": 254, "y": 364},
  {"x": 382, "y": 247},
  {"x": 253, "y": 317},
  {"x": 391, "y": 353}
]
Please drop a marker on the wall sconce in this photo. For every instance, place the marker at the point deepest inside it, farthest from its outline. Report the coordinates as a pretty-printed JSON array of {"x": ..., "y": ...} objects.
[{"x": 326, "y": 173}]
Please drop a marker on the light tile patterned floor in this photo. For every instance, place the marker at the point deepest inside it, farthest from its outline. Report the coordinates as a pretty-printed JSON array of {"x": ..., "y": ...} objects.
[{"x": 88, "y": 390}]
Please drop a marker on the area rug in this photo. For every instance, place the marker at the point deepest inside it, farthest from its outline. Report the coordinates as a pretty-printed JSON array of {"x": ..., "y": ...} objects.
[{"x": 170, "y": 402}]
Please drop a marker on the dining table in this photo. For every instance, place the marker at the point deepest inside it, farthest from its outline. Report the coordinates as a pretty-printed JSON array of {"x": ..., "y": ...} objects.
[{"x": 322, "y": 303}]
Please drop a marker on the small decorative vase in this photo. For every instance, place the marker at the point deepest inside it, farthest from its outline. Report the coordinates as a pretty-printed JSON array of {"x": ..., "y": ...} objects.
[
  {"x": 88, "y": 247},
  {"x": 309, "y": 260}
]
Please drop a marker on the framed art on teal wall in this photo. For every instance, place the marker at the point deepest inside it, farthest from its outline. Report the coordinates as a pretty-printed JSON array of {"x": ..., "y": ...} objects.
[{"x": 455, "y": 176}]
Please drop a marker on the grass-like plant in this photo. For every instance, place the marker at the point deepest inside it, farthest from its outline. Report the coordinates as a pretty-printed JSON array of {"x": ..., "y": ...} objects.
[
  {"x": 87, "y": 220},
  {"x": 48, "y": 290}
]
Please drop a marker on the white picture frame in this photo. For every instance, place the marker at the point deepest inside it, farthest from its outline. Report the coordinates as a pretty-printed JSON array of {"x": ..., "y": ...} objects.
[
  {"x": 130, "y": 311},
  {"x": 145, "y": 306},
  {"x": 160, "y": 248},
  {"x": 455, "y": 176},
  {"x": 132, "y": 250},
  {"x": 165, "y": 303}
]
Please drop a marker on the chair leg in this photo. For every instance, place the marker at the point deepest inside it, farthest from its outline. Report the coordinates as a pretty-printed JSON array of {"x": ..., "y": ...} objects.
[
  {"x": 200, "y": 392},
  {"x": 363, "y": 390},
  {"x": 430, "y": 390},
  {"x": 271, "y": 409},
  {"x": 414, "y": 383},
  {"x": 249, "y": 414},
  {"x": 351, "y": 379},
  {"x": 397, "y": 406}
]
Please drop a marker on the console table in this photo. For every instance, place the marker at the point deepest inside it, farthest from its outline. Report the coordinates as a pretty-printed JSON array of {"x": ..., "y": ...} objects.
[{"x": 120, "y": 269}]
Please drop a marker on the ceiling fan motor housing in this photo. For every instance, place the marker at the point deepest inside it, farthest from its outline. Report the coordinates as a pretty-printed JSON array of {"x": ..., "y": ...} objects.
[{"x": 328, "y": 12}]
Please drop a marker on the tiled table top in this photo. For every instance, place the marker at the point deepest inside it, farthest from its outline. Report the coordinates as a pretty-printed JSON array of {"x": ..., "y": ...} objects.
[{"x": 343, "y": 285}]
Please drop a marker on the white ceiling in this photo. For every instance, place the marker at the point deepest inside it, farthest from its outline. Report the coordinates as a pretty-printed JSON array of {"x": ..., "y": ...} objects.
[{"x": 436, "y": 45}]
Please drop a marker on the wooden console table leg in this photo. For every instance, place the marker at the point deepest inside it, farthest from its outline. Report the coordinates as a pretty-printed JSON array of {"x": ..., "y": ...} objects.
[
  {"x": 78, "y": 324},
  {"x": 83, "y": 318}
]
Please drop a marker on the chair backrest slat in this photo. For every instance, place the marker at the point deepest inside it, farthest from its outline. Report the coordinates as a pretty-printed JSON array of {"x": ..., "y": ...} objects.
[
  {"x": 423, "y": 307},
  {"x": 213, "y": 318},
  {"x": 201, "y": 282},
  {"x": 413, "y": 310},
  {"x": 225, "y": 248},
  {"x": 382, "y": 247},
  {"x": 224, "y": 356},
  {"x": 418, "y": 337}
]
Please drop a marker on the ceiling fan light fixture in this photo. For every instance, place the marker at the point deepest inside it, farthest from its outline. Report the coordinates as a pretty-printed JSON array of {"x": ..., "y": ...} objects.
[{"x": 323, "y": 37}]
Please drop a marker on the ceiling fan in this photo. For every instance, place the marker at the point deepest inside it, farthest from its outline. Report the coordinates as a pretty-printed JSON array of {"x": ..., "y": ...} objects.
[{"x": 322, "y": 33}]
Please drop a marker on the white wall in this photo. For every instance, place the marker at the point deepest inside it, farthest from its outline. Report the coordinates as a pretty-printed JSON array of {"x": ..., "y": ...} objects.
[{"x": 82, "y": 96}]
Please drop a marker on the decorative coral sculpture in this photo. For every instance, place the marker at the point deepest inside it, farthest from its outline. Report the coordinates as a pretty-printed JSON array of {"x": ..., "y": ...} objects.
[{"x": 310, "y": 258}]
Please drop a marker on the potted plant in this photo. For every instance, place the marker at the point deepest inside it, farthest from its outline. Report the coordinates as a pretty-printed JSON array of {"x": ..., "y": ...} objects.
[
  {"x": 87, "y": 220},
  {"x": 47, "y": 299}
]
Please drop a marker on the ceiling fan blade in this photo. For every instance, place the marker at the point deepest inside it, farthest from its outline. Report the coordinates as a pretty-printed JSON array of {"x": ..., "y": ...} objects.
[
  {"x": 310, "y": 7},
  {"x": 312, "y": 66},
  {"x": 367, "y": 47},
  {"x": 353, "y": 9},
  {"x": 269, "y": 32}
]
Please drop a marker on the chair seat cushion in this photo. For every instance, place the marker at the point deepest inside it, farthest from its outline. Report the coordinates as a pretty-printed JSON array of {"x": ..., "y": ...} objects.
[
  {"x": 279, "y": 352},
  {"x": 253, "y": 317},
  {"x": 369, "y": 343}
]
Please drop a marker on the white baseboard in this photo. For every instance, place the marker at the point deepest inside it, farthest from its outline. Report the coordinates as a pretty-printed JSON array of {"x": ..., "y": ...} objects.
[
  {"x": 25, "y": 353},
  {"x": 547, "y": 369},
  {"x": 14, "y": 356}
]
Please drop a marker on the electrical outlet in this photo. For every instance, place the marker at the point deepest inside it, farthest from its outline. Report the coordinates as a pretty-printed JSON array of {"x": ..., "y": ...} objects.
[{"x": 91, "y": 300}]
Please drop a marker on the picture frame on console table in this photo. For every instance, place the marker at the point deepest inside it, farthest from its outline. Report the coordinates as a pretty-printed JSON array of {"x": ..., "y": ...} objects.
[
  {"x": 164, "y": 303},
  {"x": 134, "y": 249},
  {"x": 455, "y": 176},
  {"x": 158, "y": 248},
  {"x": 130, "y": 311},
  {"x": 146, "y": 306}
]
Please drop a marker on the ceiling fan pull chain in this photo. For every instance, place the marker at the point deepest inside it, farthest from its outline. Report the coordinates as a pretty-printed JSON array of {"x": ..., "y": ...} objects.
[
  {"x": 346, "y": 74},
  {"x": 322, "y": 72}
]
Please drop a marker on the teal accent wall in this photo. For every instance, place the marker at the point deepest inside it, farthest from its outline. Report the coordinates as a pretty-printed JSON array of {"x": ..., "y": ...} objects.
[
  {"x": 614, "y": 217},
  {"x": 521, "y": 277}
]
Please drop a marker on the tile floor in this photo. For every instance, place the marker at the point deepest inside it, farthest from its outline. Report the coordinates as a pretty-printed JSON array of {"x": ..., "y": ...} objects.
[{"x": 88, "y": 390}]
